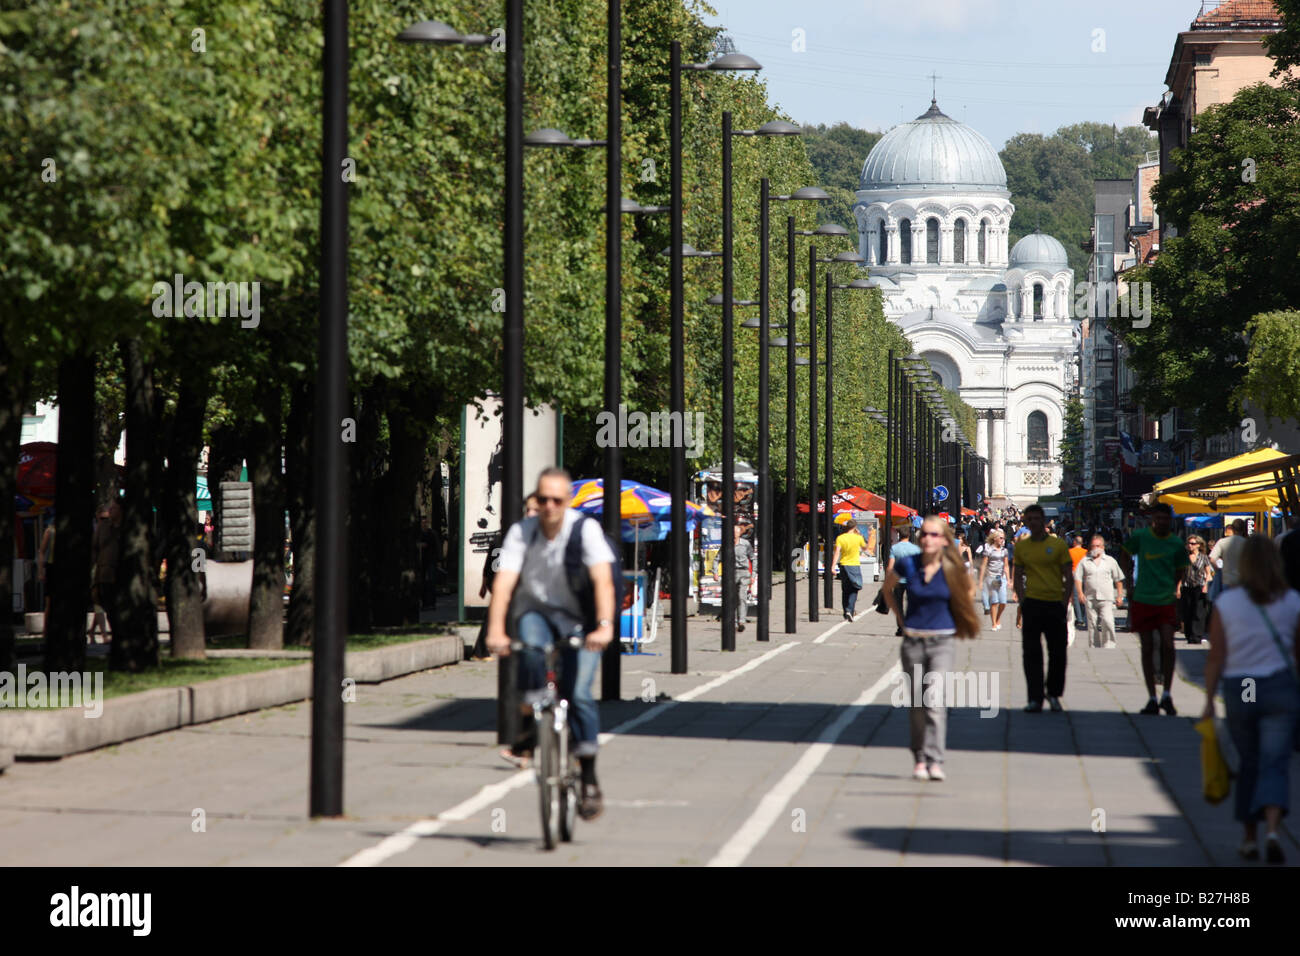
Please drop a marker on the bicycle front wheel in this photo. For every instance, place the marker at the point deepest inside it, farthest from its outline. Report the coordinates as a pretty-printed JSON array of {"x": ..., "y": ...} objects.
[{"x": 550, "y": 783}]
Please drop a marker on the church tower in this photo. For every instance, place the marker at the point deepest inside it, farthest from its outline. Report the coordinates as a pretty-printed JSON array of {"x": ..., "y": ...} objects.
[{"x": 934, "y": 214}]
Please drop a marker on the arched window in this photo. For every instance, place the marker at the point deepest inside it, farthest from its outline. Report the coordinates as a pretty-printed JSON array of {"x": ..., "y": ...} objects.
[
  {"x": 984, "y": 242},
  {"x": 884, "y": 244},
  {"x": 959, "y": 241},
  {"x": 932, "y": 241},
  {"x": 905, "y": 242},
  {"x": 1038, "y": 301},
  {"x": 1036, "y": 429}
]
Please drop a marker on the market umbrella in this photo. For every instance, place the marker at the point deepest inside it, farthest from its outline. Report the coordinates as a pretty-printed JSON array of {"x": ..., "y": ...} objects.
[
  {"x": 37, "y": 463},
  {"x": 1209, "y": 495},
  {"x": 646, "y": 512}
]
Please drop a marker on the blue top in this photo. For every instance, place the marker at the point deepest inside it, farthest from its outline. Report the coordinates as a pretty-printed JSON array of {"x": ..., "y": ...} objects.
[
  {"x": 899, "y": 551},
  {"x": 928, "y": 611}
]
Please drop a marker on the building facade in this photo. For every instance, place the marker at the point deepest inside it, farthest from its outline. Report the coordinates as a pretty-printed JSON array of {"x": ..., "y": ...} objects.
[{"x": 995, "y": 322}]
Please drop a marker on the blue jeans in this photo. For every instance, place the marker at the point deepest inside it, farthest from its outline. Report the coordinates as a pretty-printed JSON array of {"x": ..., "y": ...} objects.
[
  {"x": 577, "y": 672},
  {"x": 993, "y": 595},
  {"x": 850, "y": 585},
  {"x": 1263, "y": 731},
  {"x": 1080, "y": 619}
]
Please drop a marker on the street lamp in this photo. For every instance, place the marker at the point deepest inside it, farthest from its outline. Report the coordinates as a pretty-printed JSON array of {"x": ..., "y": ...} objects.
[
  {"x": 830, "y": 230},
  {"x": 437, "y": 33},
  {"x": 772, "y": 128},
  {"x": 765, "y": 510},
  {"x": 829, "y": 543},
  {"x": 677, "y": 348}
]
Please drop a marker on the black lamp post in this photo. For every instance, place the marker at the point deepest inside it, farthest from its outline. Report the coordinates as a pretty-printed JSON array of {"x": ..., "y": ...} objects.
[
  {"x": 765, "y": 512},
  {"x": 829, "y": 542},
  {"x": 882, "y": 419},
  {"x": 833, "y": 230},
  {"x": 331, "y": 575},
  {"x": 677, "y": 350},
  {"x": 772, "y": 128}
]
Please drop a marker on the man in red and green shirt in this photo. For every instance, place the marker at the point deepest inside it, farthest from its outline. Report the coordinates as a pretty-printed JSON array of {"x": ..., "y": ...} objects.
[{"x": 1161, "y": 556}]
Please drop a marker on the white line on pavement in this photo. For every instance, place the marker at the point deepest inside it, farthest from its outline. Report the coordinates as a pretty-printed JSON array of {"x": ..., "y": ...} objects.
[
  {"x": 405, "y": 839},
  {"x": 836, "y": 628},
  {"x": 770, "y": 808}
]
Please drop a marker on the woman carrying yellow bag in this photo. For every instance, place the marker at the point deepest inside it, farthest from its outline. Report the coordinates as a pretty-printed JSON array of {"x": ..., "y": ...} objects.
[{"x": 1253, "y": 644}]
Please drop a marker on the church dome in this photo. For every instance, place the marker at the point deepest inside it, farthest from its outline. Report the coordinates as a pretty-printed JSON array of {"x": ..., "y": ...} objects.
[
  {"x": 933, "y": 150},
  {"x": 1039, "y": 251}
]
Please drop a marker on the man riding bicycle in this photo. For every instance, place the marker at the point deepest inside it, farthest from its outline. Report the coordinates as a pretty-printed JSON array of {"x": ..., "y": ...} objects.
[{"x": 545, "y": 609}]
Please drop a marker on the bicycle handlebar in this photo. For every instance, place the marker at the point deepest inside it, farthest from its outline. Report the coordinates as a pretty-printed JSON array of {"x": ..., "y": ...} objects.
[{"x": 575, "y": 641}]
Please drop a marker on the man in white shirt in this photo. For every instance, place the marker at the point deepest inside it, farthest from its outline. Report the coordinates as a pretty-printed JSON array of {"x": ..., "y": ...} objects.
[
  {"x": 1096, "y": 578},
  {"x": 546, "y": 608},
  {"x": 1227, "y": 550}
]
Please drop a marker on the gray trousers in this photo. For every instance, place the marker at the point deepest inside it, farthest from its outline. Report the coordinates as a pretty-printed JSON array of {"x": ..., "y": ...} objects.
[
  {"x": 1101, "y": 622},
  {"x": 929, "y": 724},
  {"x": 742, "y": 596}
]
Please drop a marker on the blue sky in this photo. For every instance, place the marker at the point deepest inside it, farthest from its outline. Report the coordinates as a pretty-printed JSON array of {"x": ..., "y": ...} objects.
[{"x": 1005, "y": 66}]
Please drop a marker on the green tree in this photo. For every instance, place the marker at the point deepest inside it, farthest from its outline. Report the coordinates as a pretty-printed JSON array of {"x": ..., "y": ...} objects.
[
  {"x": 1272, "y": 375},
  {"x": 1072, "y": 450},
  {"x": 837, "y": 154},
  {"x": 1234, "y": 197},
  {"x": 1051, "y": 179}
]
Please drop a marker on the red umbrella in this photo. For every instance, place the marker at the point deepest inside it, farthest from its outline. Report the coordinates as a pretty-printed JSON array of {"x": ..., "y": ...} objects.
[
  {"x": 36, "y": 468},
  {"x": 859, "y": 499}
]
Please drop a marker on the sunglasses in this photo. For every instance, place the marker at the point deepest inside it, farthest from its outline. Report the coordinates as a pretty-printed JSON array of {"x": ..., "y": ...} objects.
[
  {"x": 931, "y": 534},
  {"x": 545, "y": 500}
]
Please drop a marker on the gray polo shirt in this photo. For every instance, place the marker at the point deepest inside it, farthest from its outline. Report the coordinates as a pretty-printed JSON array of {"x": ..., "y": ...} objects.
[{"x": 1097, "y": 576}]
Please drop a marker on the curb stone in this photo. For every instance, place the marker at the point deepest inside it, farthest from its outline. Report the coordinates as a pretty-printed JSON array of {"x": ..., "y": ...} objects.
[{"x": 58, "y": 733}]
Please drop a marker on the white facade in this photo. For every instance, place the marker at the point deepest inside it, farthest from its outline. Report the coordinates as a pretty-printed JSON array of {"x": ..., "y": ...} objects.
[{"x": 995, "y": 324}]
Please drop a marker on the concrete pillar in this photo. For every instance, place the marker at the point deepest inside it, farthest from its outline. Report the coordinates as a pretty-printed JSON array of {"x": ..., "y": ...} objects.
[
  {"x": 891, "y": 233},
  {"x": 997, "y": 452},
  {"x": 945, "y": 245},
  {"x": 982, "y": 433}
]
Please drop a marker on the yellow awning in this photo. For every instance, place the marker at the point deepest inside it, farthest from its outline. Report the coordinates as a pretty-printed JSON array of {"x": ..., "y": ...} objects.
[{"x": 1198, "y": 492}]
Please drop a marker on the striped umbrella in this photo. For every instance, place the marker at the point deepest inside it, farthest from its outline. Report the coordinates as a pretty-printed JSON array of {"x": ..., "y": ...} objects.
[{"x": 645, "y": 511}]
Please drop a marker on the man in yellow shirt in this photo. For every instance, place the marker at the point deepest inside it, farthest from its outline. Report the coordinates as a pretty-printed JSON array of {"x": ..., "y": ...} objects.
[
  {"x": 1044, "y": 584},
  {"x": 848, "y": 552}
]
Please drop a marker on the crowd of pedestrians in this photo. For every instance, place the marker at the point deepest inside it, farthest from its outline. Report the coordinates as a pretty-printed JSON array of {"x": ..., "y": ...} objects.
[{"x": 1242, "y": 594}]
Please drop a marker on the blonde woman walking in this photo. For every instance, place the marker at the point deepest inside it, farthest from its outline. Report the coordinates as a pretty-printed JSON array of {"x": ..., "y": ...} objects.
[
  {"x": 940, "y": 608},
  {"x": 993, "y": 576}
]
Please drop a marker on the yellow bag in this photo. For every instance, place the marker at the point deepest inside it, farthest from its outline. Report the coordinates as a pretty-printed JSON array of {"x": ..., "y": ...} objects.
[{"x": 1215, "y": 781}]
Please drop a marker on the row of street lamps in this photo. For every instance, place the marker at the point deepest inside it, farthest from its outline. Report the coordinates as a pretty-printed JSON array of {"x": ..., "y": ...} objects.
[
  {"x": 924, "y": 444},
  {"x": 433, "y": 32},
  {"x": 329, "y": 627}
]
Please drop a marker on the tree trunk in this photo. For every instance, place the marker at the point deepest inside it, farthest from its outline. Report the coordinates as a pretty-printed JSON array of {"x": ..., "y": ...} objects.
[
  {"x": 266, "y": 604},
  {"x": 184, "y": 584},
  {"x": 135, "y": 640},
  {"x": 13, "y": 394},
  {"x": 298, "y": 461},
  {"x": 396, "y": 591},
  {"x": 69, "y": 588},
  {"x": 364, "y": 536}
]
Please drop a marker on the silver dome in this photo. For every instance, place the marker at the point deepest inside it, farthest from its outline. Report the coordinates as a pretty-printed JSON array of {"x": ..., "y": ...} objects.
[
  {"x": 933, "y": 150},
  {"x": 1039, "y": 250}
]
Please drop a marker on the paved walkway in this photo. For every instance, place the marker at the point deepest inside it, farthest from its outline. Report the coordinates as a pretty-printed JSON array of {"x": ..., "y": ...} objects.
[{"x": 782, "y": 753}]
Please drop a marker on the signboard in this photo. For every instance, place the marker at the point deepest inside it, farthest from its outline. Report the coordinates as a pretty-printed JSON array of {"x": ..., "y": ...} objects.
[
  {"x": 480, "y": 482},
  {"x": 236, "y": 531},
  {"x": 940, "y": 493}
]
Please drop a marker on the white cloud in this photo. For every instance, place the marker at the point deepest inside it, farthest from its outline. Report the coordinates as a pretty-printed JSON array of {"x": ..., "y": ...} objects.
[{"x": 936, "y": 16}]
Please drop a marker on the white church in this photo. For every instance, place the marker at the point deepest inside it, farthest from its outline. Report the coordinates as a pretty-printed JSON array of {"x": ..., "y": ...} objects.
[{"x": 933, "y": 214}]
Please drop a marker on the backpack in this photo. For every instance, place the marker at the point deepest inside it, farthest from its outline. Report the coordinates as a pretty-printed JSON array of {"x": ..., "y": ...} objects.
[{"x": 575, "y": 572}]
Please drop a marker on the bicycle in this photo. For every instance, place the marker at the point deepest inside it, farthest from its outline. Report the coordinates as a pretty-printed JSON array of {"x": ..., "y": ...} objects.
[{"x": 555, "y": 765}]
